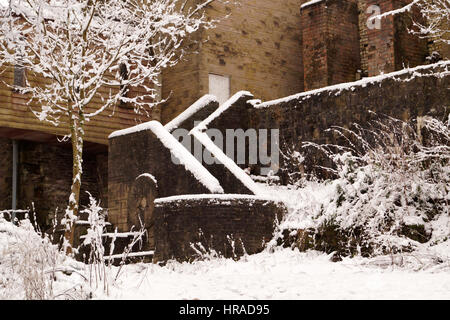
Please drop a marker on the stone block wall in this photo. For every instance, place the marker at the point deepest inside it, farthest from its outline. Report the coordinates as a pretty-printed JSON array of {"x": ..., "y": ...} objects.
[
  {"x": 258, "y": 45},
  {"x": 276, "y": 48},
  {"x": 201, "y": 114},
  {"x": 138, "y": 153},
  {"x": 235, "y": 117},
  {"x": 306, "y": 117},
  {"x": 180, "y": 84},
  {"x": 215, "y": 223}
]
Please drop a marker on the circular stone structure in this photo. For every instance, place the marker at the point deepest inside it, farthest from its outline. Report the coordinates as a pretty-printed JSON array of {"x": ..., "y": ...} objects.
[{"x": 231, "y": 225}]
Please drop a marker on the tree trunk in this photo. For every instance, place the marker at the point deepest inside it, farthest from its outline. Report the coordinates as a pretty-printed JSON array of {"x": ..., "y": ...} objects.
[{"x": 77, "y": 135}]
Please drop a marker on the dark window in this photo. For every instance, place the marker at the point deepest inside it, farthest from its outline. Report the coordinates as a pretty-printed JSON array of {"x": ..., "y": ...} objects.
[
  {"x": 19, "y": 76},
  {"x": 123, "y": 70}
]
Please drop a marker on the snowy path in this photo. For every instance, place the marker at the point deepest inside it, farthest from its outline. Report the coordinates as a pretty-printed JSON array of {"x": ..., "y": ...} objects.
[{"x": 281, "y": 275}]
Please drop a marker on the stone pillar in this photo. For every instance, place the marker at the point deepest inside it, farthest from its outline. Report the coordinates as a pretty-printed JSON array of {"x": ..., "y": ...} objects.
[
  {"x": 390, "y": 46},
  {"x": 331, "y": 51}
]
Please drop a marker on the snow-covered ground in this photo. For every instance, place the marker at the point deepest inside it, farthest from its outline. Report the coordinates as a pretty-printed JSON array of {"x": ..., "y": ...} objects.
[
  {"x": 280, "y": 274},
  {"x": 284, "y": 274}
]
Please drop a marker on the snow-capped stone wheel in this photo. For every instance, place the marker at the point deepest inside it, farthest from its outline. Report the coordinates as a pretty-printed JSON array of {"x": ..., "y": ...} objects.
[{"x": 141, "y": 205}]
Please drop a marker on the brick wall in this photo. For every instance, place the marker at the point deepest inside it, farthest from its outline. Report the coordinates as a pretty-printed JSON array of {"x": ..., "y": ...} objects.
[
  {"x": 5, "y": 173},
  {"x": 178, "y": 224},
  {"x": 331, "y": 49},
  {"x": 392, "y": 48},
  {"x": 410, "y": 50},
  {"x": 314, "y": 37},
  {"x": 363, "y": 37}
]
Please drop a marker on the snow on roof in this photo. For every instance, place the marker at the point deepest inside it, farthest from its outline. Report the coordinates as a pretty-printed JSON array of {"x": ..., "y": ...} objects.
[
  {"x": 363, "y": 82},
  {"x": 309, "y": 3},
  {"x": 225, "y": 106},
  {"x": 181, "y": 153},
  {"x": 186, "y": 114},
  {"x": 223, "y": 197}
]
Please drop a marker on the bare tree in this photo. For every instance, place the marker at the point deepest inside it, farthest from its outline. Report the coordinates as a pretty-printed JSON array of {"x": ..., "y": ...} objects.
[
  {"x": 437, "y": 20},
  {"x": 81, "y": 46}
]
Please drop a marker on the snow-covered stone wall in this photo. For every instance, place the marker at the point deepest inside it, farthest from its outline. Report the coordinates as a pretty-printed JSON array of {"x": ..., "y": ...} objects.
[
  {"x": 232, "y": 225},
  {"x": 403, "y": 94},
  {"x": 149, "y": 149}
]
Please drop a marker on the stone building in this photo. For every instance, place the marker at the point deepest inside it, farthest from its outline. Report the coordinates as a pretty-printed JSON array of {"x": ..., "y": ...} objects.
[
  {"x": 193, "y": 200},
  {"x": 271, "y": 48},
  {"x": 278, "y": 48}
]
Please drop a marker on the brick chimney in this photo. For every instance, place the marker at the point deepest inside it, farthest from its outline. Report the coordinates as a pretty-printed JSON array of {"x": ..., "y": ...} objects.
[
  {"x": 331, "y": 52},
  {"x": 390, "y": 46}
]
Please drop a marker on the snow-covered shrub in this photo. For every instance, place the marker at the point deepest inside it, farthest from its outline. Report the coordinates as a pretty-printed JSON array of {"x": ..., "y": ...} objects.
[
  {"x": 293, "y": 169},
  {"x": 100, "y": 259},
  {"x": 32, "y": 267},
  {"x": 94, "y": 241},
  {"x": 391, "y": 191},
  {"x": 30, "y": 264},
  {"x": 203, "y": 248}
]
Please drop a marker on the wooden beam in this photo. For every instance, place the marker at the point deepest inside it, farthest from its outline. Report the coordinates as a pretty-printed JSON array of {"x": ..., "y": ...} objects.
[{"x": 46, "y": 138}]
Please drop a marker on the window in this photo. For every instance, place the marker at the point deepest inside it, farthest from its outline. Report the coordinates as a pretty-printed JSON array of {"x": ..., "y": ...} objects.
[
  {"x": 220, "y": 87},
  {"x": 123, "y": 70},
  {"x": 19, "y": 76}
]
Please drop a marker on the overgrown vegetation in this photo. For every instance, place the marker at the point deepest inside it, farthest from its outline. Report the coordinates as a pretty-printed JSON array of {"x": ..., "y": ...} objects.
[
  {"x": 390, "y": 192},
  {"x": 32, "y": 264}
]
